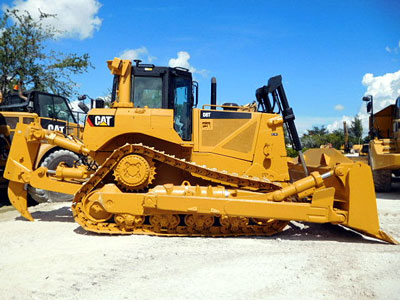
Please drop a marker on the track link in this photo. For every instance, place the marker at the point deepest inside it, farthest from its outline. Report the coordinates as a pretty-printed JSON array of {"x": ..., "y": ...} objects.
[{"x": 227, "y": 226}]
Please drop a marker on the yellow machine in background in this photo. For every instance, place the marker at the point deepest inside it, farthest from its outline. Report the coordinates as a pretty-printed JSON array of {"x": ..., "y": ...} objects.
[
  {"x": 155, "y": 164},
  {"x": 51, "y": 112},
  {"x": 384, "y": 147}
]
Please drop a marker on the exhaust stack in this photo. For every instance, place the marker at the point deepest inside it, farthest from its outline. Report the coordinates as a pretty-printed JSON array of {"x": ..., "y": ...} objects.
[{"x": 213, "y": 92}]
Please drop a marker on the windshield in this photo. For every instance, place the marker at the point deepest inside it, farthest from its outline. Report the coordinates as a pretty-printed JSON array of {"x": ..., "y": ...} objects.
[
  {"x": 147, "y": 91},
  {"x": 183, "y": 108},
  {"x": 54, "y": 107}
]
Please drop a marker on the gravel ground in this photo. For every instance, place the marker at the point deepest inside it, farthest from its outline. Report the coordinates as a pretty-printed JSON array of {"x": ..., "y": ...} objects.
[{"x": 53, "y": 258}]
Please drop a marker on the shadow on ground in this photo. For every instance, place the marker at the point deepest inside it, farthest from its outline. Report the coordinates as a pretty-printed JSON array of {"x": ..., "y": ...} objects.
[
  {"x": 62, "y": 214},
  {"x": 323, "y": 232},
  {"x": 295, "y": 231}
]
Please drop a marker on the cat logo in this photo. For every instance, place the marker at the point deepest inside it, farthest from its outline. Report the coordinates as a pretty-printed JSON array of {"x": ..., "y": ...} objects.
[
  {"x": 101, "y": 121},
  {"x": 55, "y": 127}
]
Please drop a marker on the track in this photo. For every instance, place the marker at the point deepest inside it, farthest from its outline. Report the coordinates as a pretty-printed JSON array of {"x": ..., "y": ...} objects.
[{"x": 170, "y": 224}]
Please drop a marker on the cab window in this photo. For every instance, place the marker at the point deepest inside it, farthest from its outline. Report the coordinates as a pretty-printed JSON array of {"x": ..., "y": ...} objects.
[
  {"x": 46, "y": 106},
  {"x": 147, "y": 91},
  {"x": 61, "y": 109},
  {"x": 182, "y": 108},
  {"x": 54, "y": 107}
]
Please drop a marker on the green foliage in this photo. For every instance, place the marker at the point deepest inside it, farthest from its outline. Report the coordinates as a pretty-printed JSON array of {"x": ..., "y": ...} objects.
[
  {"x": 366, "y": 139},
  {"x": 318, "y": 136},
  {"x": 336, "y": 138},
  {"x": 315, "y": 137},
  {"x": 24, "y": 57},
  {"x": 293, "y": 153},
  {"x": 355, "y": 131}
]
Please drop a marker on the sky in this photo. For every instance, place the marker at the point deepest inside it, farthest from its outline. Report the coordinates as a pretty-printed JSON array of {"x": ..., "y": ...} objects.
[{"x": 329, "y": 53}]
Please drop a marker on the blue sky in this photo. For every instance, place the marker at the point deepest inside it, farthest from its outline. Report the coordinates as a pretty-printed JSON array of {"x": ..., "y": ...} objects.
[{"x": 323, "y": 49}]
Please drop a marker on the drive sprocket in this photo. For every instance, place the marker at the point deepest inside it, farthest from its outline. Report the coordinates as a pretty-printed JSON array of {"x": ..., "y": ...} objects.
[{"x": 134, "y": 172}]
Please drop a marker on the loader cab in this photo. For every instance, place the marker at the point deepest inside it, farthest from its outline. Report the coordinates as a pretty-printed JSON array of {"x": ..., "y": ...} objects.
[
  {"x": 53, "y": 107},
  {"x": 53, "y": 110},
  {"x": 166, "y": 88}
]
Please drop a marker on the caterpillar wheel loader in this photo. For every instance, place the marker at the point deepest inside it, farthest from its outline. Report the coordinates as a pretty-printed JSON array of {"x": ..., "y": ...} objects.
[
  {"x": 53, "y": 112},
  {"x": 384, "y": 146},
  {"x": 155, "y": 164}
]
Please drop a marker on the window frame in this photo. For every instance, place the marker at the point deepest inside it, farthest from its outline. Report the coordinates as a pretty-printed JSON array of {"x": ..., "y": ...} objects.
[{"x": 38, "y": 105}]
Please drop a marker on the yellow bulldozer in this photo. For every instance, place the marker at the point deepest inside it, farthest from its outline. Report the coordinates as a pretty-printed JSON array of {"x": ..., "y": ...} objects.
[
  {"x": 155, "y": 164},
  {"x": 384, "y": 146}
]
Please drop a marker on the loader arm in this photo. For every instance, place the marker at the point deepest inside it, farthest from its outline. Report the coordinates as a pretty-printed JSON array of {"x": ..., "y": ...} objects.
[{"x": 20, "y": 171}]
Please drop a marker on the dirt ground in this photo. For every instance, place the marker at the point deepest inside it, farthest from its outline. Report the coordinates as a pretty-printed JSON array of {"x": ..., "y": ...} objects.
[{"x": 54, "y": 258}]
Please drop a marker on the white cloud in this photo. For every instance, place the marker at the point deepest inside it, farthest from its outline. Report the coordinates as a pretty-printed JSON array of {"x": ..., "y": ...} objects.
[
  {"x": 394, "y": 50},
  {"x": 74, "y": 18},
  {"x": 182, "y": 60},
  {"x": 338, "y": 124},
  {"x": 140, "y": 53},
  {"x": 339, "y": 107},
  {"x": 385, "y": 89}
]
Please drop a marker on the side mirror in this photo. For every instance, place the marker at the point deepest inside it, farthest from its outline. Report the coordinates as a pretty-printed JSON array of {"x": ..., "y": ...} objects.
[
  {"x": 369, "y": 107},
  {"x": 83, "y": 107},
  {"x": 367, "y": 98},
  {"x": 82, "y": 97}
]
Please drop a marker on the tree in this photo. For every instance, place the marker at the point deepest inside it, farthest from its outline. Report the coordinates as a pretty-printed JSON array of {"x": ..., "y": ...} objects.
[
  {"x": 314, "y": 137},
  {"x": 318, "y": 136},
  {"x": 24, "y": 57},
  {"x": 356, "y": 131},
  {"x": 317, "y": 131},
  {"x": 336, "y": 138}
]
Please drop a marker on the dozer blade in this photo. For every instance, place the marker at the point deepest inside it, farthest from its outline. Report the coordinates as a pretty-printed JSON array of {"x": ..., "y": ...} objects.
[
  {"x": 354, "y": 190},
  {"x": 18, "y": 198},
  {"x": 363, "y": 213}
]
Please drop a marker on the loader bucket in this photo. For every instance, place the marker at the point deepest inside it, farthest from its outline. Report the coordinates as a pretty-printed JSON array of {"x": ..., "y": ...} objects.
[{"x": 354, "y": 190}]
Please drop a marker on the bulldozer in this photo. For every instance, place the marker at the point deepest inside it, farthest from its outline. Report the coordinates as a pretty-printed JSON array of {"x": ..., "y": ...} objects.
[
  {"x": 153, "y": 163},
  {"x": 384, "y": 145}
]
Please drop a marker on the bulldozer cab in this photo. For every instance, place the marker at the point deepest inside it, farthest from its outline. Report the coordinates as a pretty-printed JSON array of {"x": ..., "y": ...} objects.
[{"x": 166, "y": 88}]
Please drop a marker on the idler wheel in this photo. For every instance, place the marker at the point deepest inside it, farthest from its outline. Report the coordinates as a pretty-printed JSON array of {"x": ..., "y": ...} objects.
[{"x": 95, "y": 211}]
